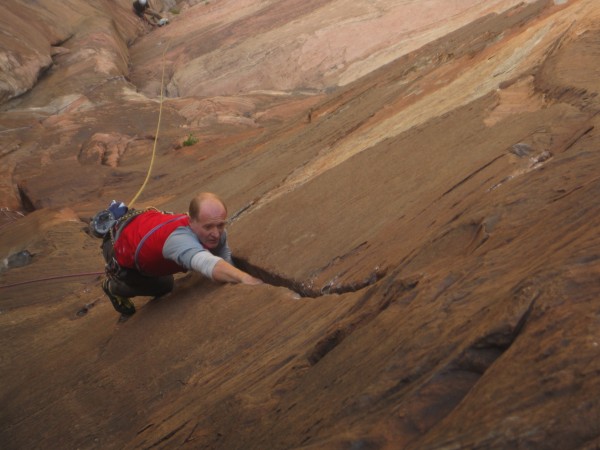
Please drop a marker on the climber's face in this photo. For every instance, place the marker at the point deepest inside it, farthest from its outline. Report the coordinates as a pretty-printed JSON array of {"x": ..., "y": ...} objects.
[{"x": 210, "y": 223}]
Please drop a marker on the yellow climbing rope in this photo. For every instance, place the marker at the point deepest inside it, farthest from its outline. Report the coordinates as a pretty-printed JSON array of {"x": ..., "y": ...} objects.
[{"x": 162, "y": 80}]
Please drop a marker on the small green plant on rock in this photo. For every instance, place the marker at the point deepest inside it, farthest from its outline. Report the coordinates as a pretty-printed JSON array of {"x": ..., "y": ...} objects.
[{"x": 191, "y": 140}]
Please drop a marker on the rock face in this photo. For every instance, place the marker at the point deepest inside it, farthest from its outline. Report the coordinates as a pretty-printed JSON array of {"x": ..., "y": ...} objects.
[{"x": 416, "y": 181}]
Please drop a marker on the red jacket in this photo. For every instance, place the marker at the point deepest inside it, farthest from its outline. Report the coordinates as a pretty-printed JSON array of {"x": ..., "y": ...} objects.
[{"x": 141, "y": 242}]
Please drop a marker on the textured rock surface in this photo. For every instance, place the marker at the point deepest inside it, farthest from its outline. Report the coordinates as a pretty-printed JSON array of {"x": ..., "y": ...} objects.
[{"x": 416, "y": 181}]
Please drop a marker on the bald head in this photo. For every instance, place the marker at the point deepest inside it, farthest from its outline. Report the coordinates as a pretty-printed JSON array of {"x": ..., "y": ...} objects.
[
  {"x": 207, "y": 199},
  {"x": 208, "y": 217}
]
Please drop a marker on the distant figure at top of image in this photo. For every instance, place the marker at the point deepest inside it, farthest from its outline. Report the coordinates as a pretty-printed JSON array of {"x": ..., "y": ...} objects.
[
  {"x": 145, "y": 12},
  {"x": 146, "y": 247}
]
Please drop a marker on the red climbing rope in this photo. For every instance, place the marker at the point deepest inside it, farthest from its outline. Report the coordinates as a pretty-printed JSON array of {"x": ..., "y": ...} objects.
[{"x": 56, "y": 277}]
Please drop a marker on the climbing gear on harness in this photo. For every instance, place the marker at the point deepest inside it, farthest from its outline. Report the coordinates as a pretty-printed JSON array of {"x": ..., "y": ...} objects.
[
  {"x": 112, "y": 268},
  {"x": 118, "y": 226},
  {"x": 109, "y": 222},
  {"x": 121, "y": 304},
  {"x": 103, "y": 222}
]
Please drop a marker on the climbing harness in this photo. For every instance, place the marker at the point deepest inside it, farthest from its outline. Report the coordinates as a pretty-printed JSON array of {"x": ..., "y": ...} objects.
[{"x": 112, "y": 267}]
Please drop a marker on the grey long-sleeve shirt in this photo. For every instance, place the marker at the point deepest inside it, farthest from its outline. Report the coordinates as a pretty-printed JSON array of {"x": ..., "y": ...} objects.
[{"x": 183, "y": 247}]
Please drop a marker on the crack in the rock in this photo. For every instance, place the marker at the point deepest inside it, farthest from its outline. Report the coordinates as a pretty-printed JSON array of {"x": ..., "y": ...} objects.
[
  {"x": 59, "y": 42},
  {"x": 577, "y": 135},
  {"x": 479, "y": 356},
  {"x": 472, "y": 174},
  {"x": 364, "y": 312},
  {"x": 26, "y": 202},
  {"x": 446, "y": 386},
  {"x": 236, "y": 215},
  {"x": 305, "y": 288},
  {"x": 168, "y": 435}
]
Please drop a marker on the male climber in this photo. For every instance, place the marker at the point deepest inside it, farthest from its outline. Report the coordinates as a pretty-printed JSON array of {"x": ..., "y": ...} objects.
[
  {"x": 143, "y": 10},
  {"x": 146, "y": 248}
]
